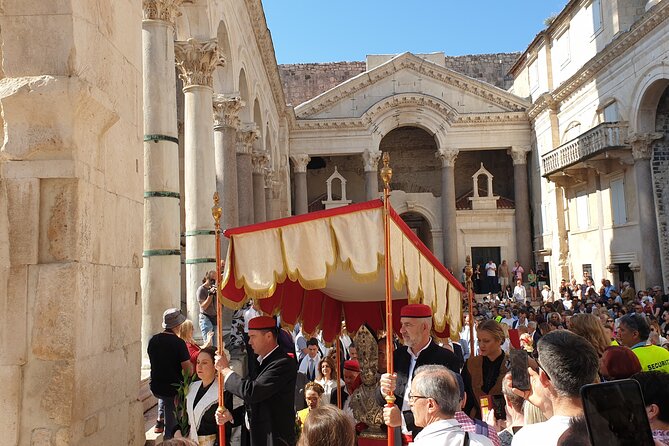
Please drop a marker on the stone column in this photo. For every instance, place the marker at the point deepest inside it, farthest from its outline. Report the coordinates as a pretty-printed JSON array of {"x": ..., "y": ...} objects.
[
  {"x": 161, "y": 270},
  {"x": 196, "y": 61},
  {"x": 245, "y": 139},
  {"x": 370, "y": 159},
  {"x": 269, "y": 179},
  {"x": 521, "y": 197},
  {"x": 448, "y": 221},
  {"x": 71, "y": 222},
  {"x": 300, "y": 161},
  {"x": 649, "y": 251},
  {"x": 226, "y": 124},
  {"x": 259, "y": 161}
]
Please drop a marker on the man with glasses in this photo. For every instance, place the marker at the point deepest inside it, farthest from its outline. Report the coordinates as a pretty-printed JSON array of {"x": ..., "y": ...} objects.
[
  {"x": 434, "y": 398},
  {"x": 567, "y": 362}
]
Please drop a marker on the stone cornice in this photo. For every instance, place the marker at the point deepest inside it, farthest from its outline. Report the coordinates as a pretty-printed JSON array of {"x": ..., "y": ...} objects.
[
  {"x": 164, "y": 10},
  {"x": 266, "y": 47},
  {"x": 226, "y": 111},
  {"x": 475, "y": 87},
  {"x": 491, "y": 118},
  {"x": 658, "y": 14},
  {"x": 197, "y": 60}
]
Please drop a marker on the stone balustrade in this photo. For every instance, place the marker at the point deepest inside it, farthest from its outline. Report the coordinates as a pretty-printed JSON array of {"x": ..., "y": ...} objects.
[{"x": 605, "y": 136}]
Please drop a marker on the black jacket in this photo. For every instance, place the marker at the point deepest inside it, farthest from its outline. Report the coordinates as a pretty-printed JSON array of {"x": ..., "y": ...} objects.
[
  {"x": 269, "y": 400},
  {"x": 433, "y": 354}
]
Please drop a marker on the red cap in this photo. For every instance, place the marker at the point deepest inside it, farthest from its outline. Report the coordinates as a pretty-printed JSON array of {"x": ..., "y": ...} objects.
[
  {"x": 352, "y": 365},
  {"x": 262, "y": 323},
  {"x": 416, "y": 310}
]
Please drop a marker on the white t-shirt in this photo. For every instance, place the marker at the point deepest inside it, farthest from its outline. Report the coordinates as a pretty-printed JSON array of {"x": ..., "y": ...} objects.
[
  {"x": 549, "y": 432},
  {"x": 490, "y": 268}
]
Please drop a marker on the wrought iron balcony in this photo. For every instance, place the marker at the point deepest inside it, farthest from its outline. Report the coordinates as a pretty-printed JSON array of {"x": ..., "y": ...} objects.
[{"x": 600, "y": 140}]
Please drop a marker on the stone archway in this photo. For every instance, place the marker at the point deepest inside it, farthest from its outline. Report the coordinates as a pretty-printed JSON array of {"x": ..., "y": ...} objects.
[
  {"x": 412, "y": 156},
  {"x": 660, "y": 173},
  {"x": 420, "y": 226}
]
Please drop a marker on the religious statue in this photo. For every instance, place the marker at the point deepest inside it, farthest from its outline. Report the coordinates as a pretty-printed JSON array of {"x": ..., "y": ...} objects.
[{"x": 366, "y": 410}]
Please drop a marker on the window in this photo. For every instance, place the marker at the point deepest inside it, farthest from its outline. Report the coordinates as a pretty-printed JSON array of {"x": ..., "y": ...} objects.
[
  {"x": 596, "y": 11},
  {"x": 582, "y": 211},
  {"x": 533, "y": 75},
  {"x": 618, "y": 211},
  {"x": 562, "y": 49},
  {"x": 587, "y": 269},
  {"x": 610, "y": 112}
]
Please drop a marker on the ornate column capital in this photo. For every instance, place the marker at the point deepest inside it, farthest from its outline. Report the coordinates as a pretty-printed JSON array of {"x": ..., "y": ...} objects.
[
  {"x": 164, "y": 10},
  {"x": 300, "y": 161},
  {"x": 519, "y": 154},
  {"x": 370, "y": 160},
  {"x": 197, "y": 60},
  {"x": 226, "y": 111},
  {"x": 246, "y": 136},
  {"x": 642, "y": 144},
  {"x": 447, "y": 156},
  {"x": 269, "y": 174},
  {"x": 259, "y": 160}
]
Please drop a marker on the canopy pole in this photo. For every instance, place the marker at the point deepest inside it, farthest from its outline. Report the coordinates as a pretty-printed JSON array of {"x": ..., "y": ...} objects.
[
  {"x": 470, "y": 298},
  {"x": 216, "y": 212},
  {"x": 337, "y": 370},
  {"x": 386, "y": 176}
]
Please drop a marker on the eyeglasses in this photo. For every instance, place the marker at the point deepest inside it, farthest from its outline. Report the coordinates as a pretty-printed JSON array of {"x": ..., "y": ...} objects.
[{"x": 413, "y": 398}]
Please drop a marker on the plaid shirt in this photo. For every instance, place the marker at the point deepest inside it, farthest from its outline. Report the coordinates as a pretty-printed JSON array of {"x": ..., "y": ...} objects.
[{"x": 468, "y": 425}]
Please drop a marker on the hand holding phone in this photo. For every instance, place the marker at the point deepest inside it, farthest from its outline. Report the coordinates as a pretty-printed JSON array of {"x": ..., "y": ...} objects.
[{"x": 520, "y": 377}]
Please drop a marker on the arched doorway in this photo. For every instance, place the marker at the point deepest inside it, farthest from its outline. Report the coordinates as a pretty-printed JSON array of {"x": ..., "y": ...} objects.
[{"x": 420, "y": 226}]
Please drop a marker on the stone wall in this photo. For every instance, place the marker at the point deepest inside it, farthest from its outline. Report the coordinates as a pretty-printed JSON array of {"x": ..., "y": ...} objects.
[
  {"x": 71, "y": 183},
  {"x": 660, "y": 167},
  {"x": 302, "y": 82}
]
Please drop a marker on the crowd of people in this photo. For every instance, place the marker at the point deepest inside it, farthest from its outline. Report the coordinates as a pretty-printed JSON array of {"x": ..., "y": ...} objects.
[{"x": 297, "y": 391}]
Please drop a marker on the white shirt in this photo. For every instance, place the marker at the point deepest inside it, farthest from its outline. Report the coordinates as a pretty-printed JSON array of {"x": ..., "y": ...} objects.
[
  {"x": 412, "y": 366},
  {"x": 507, "y": 321},
  {"x": 490, "y": 269},
  {"x": 519, "y": 293},
  {"x": 549, "y": 432},
  {"x": 448, "y": 433}
]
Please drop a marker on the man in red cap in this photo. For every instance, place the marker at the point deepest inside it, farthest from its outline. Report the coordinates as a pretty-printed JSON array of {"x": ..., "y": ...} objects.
[
  {"x": 351, "y": 380},
  {"x": 269, "y": 396},
  {"x": 418, "y": 349}
]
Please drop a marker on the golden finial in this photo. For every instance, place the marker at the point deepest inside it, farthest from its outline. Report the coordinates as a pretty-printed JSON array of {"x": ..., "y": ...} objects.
[
  {"x": 386, "y": 170},
  {"x": 216, "y": 211}
]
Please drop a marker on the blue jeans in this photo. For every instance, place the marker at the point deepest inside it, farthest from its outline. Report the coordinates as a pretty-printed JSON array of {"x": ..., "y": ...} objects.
[
  {"x": 166, "y": 410},
  {"x": 205, "y": 327}
]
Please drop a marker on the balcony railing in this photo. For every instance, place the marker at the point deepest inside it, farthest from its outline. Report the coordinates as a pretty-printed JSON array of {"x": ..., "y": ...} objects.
[{"x": 606, "y": 136}]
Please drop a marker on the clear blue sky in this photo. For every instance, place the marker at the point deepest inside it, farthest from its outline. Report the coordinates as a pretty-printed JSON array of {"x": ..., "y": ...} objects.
[{"x": 347, "y": 30}]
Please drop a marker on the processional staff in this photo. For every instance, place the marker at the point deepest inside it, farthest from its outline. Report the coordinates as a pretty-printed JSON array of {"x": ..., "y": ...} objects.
[
  {"x": 216, "y": 212},
  {"x": 387, "y": 175}
]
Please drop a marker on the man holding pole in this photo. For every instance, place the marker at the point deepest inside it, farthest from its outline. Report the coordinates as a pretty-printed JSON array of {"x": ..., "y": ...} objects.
[
  {"x": 269, "y": 396},
  {"x": 419, "y": 349}
]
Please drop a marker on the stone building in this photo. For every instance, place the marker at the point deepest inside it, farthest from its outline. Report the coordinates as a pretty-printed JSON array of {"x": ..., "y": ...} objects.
[
  {"x": 119, "y": 121},
  {"x": 597, "y": 78}
]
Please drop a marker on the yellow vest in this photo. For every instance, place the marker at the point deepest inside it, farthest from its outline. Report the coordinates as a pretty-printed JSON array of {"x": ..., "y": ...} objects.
[{"x": 653, "y": 358}]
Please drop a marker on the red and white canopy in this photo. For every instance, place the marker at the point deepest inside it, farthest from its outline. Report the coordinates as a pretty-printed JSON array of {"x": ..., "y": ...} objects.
[{"x": 323, "y": 266}]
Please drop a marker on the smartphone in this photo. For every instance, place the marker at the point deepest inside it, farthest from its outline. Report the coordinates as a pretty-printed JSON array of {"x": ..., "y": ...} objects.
[
  {"x": 499, "y": 405},
  {"x": 520, "y": 378},
  {"x": 615, "y": 414}
]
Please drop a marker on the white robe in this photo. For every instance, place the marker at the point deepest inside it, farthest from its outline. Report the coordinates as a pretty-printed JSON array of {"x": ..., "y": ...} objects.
[{"x": 195, "y": 413}]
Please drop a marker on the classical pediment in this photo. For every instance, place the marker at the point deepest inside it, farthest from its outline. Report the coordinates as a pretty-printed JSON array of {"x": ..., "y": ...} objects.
[{"x": 404, "y": 79}]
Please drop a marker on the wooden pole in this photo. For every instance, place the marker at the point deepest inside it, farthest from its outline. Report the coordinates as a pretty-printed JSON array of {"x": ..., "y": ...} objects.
[
  {"x": 386, "y": 176},
  {"x": 470, "y": 299},
  {"x": 337, "y": 370},
  {"x": 216, "y": 212}
]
